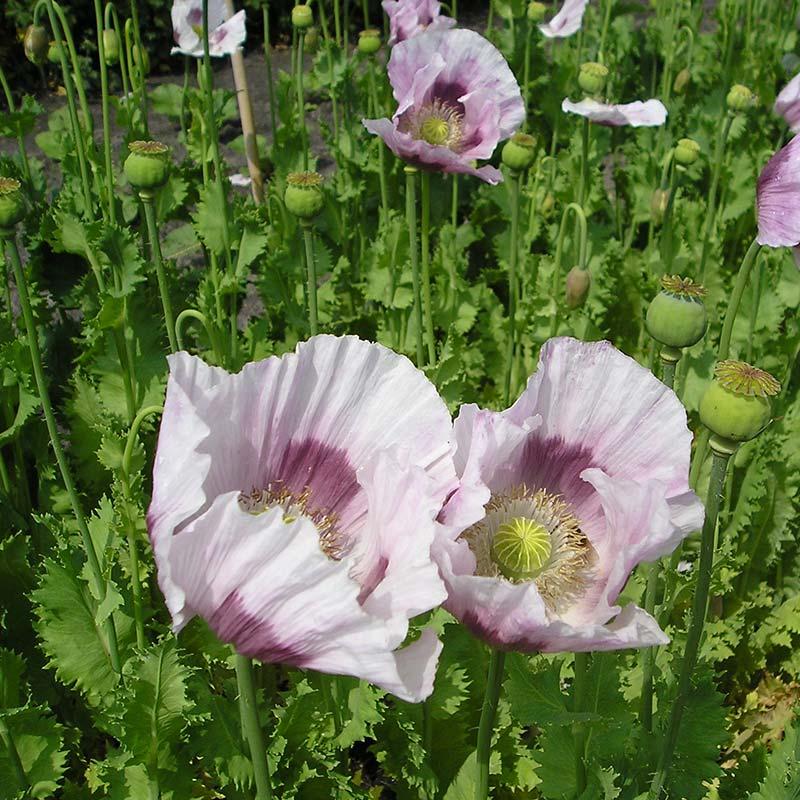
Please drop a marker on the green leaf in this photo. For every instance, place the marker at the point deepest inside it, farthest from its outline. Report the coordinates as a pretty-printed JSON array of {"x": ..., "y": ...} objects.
[
  {"x": 463, "y": 785},
  {"x": 11, "y": 668},
  {"x": 208, "y": 219},
  {"x": 782, "y": 781}
]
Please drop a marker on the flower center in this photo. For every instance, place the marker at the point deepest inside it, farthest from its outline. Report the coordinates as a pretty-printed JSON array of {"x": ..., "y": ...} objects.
[
  {"x": 437, "y": 123},
  {"x": 435, "y": 131},
  {"x": 331, "y": 541},
  {"x": 533, "y": 536}
]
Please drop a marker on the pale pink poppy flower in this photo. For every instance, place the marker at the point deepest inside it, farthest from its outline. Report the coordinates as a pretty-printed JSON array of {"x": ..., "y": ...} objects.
[
  {"x": 294, "y": 508},
  {"x": 787, "y": 103},
  {"x": 240, "y": 181},
  {"x": 636, "y": 114},
  {"x": 778, "y": 198},
  {"x": 591, "y": 464},
  {"x": 409, "y": 18},
  {"x": 456, "y": 99},
  {"x": 567, "y": 21},
  {"x": 225, "y": 35}
]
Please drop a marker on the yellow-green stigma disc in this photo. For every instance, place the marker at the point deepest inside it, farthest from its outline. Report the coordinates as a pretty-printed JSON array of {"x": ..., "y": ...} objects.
[
  {"x": 521, "y": 548},
  {"x": 435, "y": 131}
]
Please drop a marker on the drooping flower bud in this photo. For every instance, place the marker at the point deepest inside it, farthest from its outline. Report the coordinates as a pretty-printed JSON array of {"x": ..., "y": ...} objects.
[
  {"x": 519, "y": 152},
  {"x": 303, "y": 196},
  {"x": 677, "y": 316},
  {"x": 736, "y": 405},
  {"x": 687, "y": 151},
  {"x": 592, "y": 77},
  {"x": 54, "y": 53},
  {"x": 658, "y": 205},
  {"x": 147, "y": 166},
  {"x": 302, "y": 16},
  {"x": 536, "y": 11},
  {"x": 369, "y": 41},
  {"x": 548, "y": 204},
  {"x": 12, "y": 203},
  {"x": 36, "y": 44},
  {"x": 577, "y": 286},
  {"x": 311, "y": 39},
  {"x": 141, "y": 59},
  {"x": 520, "y": 548},
  {"x": 111, "y": 46},
  {"x": 740, "y": 98},
  {"x": 681, "y": 81}
]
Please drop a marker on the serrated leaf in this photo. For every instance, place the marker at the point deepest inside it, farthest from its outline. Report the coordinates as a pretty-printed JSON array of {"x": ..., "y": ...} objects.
[
  {"x": 12, "y": 666},
  {"x": 782, "y": 781},
  {"x": 463, "y": 785}
]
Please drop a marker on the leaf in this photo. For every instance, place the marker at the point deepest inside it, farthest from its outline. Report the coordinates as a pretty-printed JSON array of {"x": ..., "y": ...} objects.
[
  {"x": 251, "y": 247},
  {"x": 463, "y": 785},
  {"x": 782, "y": 781},
  {"x": 208, "y": 218},
  {"x": 23, "y": 120},
  {"x": 11, "y": 668}
]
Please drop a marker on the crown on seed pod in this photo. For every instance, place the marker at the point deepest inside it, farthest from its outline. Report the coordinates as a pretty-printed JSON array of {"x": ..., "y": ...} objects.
[
  {"x": 369, "y": 41},
  {"x": 302, "y": 16},
  {"x": 148, "y": 165},
  {"x": 676, "y": 317},
  {"x": 12, "y": 202},
  {"x": 303, "y": 196},
  {"x": 592, "y": 77},
  {"x": 519, "y": 151}
]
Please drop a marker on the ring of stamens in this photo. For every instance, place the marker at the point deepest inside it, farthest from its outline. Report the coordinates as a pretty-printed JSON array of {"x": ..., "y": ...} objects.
[
  {"x": 332, "y": 541},
  {"x": 561, "y": 569},
  {"x": 437, "y": 123}
]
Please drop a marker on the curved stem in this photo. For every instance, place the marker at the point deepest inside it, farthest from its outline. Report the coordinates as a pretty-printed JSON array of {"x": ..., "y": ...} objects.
[
  {"x": 425, "y": 178},
  {"x": 55, "y": 440},
  {"x": 192, "y": 313},
  {"x": 252, "y": 727},
  {"x": 137, "y": 38},
  {"x": 311, "y": 272},
  {"x": 494, "y": 682},
  {"x": 301, "y": 100},
  {"x": 112, "y": 16},
  {"x": 583, "y": 239},
  {"x": 101, "y": 51},
  {"x": 716, "y": 488},
  {"x": 163, "y": 286},
  {"x": 736, "y": 298},
  {"x": 413, "y": 249},
  {"x": 76, "y": 70},
  {"x": 584, "y": 184},
  {"x": 513, "y": 186}
]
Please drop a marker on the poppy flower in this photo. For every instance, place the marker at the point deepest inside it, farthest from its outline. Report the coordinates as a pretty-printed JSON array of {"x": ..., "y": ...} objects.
[
  {"x": 409, "y": 18},
  {"x": 225, "y": 34}
]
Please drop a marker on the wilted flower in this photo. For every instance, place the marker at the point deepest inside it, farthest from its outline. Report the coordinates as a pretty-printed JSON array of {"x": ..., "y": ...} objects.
[
  {"x": 778, "y": 198},
  {"x": 637, "y": 114},
  {"x": 408, "y": 18},
  {"x": 787, "y": 103},
  {"x": 457, "y": 98},
  {"x": 294, "y": 504},
  {"x": 567, "y": 21},
  {"x": 225, "y": 35},
  {"x": 561, "y": 496}
]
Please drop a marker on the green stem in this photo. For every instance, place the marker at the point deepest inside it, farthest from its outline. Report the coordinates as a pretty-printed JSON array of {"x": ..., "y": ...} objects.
[
  {"x": 413, "y": 249},
  {"x": 112, "y": 18},
  {"x": 311, "y": 272},
  {"x": 163, "y": 286},
  {"x": 604, "y": 32},
  {"x": 13, "y": 756},
  {"x": 55, "y": 439},
  {"x": 736, "y": 298},
  {"x": 454, "y": 203},
  {"x": 101, "y": 51},
  {"x": 513, "y": 186},
  {"x": 252, "y": 727},
  {"x": 301, "y": 100},
  {"x": 526, "y": 65},
  {"x": 757, "y": 279},
  {"x": 581, "y": 668},
  {"x": 137, "y": 38},
  {"x": 556, "y": 286},
  {"x": 716, "y": 488},
  {"x": 268, "y": 62},
  {"x": 584, "y": 184},
  {"x": 426, "y": 265},
  {"x": 330, "y": 702},
  {"x": 192, "y": 313},
  {"x": 23, "y": 155},
  {"x": 373, "y": 90},
  {"x": 494, "y": 682}
]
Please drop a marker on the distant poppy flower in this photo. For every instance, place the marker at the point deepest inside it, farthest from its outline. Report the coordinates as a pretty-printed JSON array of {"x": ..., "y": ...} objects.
[
  {"x": 240, "y": 181},
  {"x": 778, "y": 198},
  {"x": 636, "y": 114},
  {"x": 225, "y": 35},
  {"x": 787, "y": 103},
  {"x": 567, "y": 21},
  {"x": 457, "y": 98},
  {"x": 409, "y": 18},
  {"x": 294, "y": 508},
  {"x": 561, "y": 496}
]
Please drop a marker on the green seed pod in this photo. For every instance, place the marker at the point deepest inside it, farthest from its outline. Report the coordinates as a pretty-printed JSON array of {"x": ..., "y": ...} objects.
[
  {"x": 303, "y": 196},
  {"x": 519, "y": 152},
  {"x": 548, "y": 204},
  {"x": 658, "y": 205},
  {"x": 681, "y": 81},
  {"x": 520, "y": 548},
  {"x": 577, "y": 286},
  {"x": 302, "y": 16},
  {"x": 736, "y": 405},
  {"x": 311, "y": 39},
  {"x": 12, "y": 203},
  {"x": 36, "y": 44},
  {"x": 592, "y": 77},
  {"x": 111, "y": 46},
  {"x": 677, "y": 315},
  {"x": 148, "y": 165},
  {"x": 54, "y": 53},
  {"x": 141, "y": 59},
  {"x": 740, "y": 98},
  {"x": 536, "y": 11},
  {"x": 687, "y": 151},
  {"x": 369, "y": 41}
]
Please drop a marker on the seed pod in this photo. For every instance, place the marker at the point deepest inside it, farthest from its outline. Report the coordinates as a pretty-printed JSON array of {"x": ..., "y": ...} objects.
[
  {"x": 303, "y": 196},
  {"x": 592, "y": 77},
  {"x": 519, "y": 152},
  {"x": 536, "y": 11},
  {"x": 111, "y": 46},
  {"x": 54, "y": 53},
  {"x": 577, "y": 286},
  {"x": 677, "y": 315},
  {"x": 12, "y": 203},
  {"x": 658, "y": 205},
  {"x": 548, "y": 204},
  {"x": 141, "y": 59},
  {"x": 148, "y": 165},
  {"x": 681, "y": 81},
  {"x": 687, "y": 151},
  {"x": 311, "y": 39},
  {"x": 740, "y": 98},
  {"x": 36, "y": 44},
  {"x": 520, "y": 548},
  {"x": 369, "y": 41},
  {"x": 302, "y": 16},
  {"x": 736, "y": 405}
]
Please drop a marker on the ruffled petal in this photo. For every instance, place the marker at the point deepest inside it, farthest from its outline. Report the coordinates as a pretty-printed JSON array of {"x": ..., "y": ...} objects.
[
  {"x": 567, "y": 21},
  {"x": 408, "y": 18},
  {"x": 228, "y": 37},
  {"x": 778, "y": 198},
  {"x": 637, "y": 114},
  {"x": 787, "y": 103}
]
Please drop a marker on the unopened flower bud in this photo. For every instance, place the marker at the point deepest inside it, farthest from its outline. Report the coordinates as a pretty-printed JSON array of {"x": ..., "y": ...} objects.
[
  {"x": 536, "y": 11},
  {"x": 36, "y": 44},
  {"x": 658, "y": 205},
  {"x": 676, "y": 317},
  {"x": 302, "y": 16},
  {"x": 369, "y": 41},
  {"x": 110, "y": 46},
  {"x": 681, "y": 81},
  {"x": 736, "y": 405},
  {"x": 12, "y": 203},
  {"x": 519, "y": 152},
  {"x": 548, "y": 204},
  {"x": 740, "y": 98},
  {"x": 687, "y": 151},
  {"x": 141, "y": 59},
  {"x": 592, "y": 77},
  {"x": 303, "y": 196},
  {"x": 577, "y": 286},
  {"x": 311, "y": 39},
  {"x": 520, "y": 548},
  {"x": 147, "y": 166},
  {"x": 54, "y": 53}
]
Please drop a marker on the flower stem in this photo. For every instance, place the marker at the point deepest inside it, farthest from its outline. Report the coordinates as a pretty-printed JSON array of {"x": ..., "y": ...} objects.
[
  {"x": 716, "y": 488},
  {"x": 252, "y": 727},
  {"x": 55, "y": 439},
  {"x": 163, "y": 287},
  {"x": 137, "y": 39},
  {"x": 494, "y": 682},
  {"x": 581, "y": 668},
  {"x": 584, "y": 184},
  {"x": 268, "y": 63},
  {"x": 101, "y": 52},
  {"x": 373, "y": 90},
  {"x": 23, "y": 155},
  {"x": 301, "y": 101},
  {"x": 556, "y": 286},
  {"x": 425, "y": 178},
  {"x": 311, "y": 271},
  {"x": 513, "y": 186},
  {"x": 413, "y": 249}
]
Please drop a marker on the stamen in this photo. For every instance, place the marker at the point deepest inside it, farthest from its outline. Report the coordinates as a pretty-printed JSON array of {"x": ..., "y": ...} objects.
[{"x": 437, "y": 123}]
